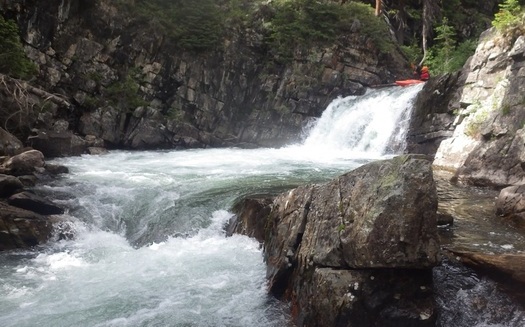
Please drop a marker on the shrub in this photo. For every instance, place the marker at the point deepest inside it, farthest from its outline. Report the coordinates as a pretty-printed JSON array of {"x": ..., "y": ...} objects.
[
  {"x": 124, "y": 94},
  {"x": 510, "y": 20},
  {"x": 509, "y": 15},
  {"x": 13, "y": 60},
  {"x": 446, "y": 55}
]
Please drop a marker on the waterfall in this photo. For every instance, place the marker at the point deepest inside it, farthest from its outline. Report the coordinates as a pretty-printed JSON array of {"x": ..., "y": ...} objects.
[{"x": 375, "y": 123}]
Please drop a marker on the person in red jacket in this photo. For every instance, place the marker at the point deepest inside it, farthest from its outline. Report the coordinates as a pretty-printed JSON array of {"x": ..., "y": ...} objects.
[
  {"x": 422, "y": 73},
  {"x": 425, "y": 74}
]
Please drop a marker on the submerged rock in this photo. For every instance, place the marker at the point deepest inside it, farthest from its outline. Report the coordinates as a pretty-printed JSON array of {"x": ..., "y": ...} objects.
[{"x": 508, "y": 269}]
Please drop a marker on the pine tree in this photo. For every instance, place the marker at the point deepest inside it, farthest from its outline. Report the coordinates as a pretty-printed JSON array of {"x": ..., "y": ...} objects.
[{"x": 13, "y": 60}]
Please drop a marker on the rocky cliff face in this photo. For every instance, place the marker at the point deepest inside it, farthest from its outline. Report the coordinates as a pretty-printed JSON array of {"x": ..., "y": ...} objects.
[
  {"x": 130, "y": 87},
  {"x": 475, "y": 119}
]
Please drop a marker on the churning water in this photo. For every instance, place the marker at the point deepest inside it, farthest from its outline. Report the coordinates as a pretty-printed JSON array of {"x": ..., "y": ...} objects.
[{"x": 149, "y": 246}]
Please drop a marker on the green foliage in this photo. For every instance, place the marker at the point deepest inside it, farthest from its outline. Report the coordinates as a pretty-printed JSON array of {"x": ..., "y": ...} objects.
[
  {"x": 124, "y": 94},
  {"x": 13, "y": 60},
  {"x": 412, "y": 52},
  {"x": 509, "y": 15},
  {"x": 192, "y": 25},
  {"x": 301, "y": 23},
  {"x": 510, "y": 20},
  {"x": 446, "y": 55}
]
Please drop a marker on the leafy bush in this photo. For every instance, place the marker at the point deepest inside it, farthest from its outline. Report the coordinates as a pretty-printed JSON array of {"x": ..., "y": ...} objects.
[{"x": 13, "y": 60}]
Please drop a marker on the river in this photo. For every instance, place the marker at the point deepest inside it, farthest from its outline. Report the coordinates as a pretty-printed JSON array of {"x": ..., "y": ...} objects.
[{"x": 149, "y": 246}]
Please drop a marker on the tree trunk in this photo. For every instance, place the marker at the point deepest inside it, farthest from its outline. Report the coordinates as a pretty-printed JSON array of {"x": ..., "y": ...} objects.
[
  {"x": 378, "y": 7},
  {"x": 431, "y": 11}
]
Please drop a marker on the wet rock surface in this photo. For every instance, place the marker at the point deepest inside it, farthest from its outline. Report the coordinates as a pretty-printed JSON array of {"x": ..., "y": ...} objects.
[
  {"x": 26, "y": 219},
  {"x": 332, "y": 248}
]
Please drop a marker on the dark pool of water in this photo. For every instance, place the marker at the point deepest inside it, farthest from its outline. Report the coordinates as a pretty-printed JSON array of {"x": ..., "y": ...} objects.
[{"x": 476, "y": 226}]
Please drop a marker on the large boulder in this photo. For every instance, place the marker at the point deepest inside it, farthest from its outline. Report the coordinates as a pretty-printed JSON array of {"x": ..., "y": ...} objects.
[
  {"x": 25, "y": 163},
  {"x": 341, "y": 251},
  {"x": 511, "y": 205},
  {"x": 21, "y": 228},
  {"x": 357, "y": 298},
  {"x": 381, "y": 215},
  {"x": 58, "y": 143}
]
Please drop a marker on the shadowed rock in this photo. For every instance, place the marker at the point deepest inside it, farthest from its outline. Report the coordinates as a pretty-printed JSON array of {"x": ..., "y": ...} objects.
[
  {"x": 9, "y": 185},
  {"x": 250, "y": 219},
  {"x": 33, "y": 202}
]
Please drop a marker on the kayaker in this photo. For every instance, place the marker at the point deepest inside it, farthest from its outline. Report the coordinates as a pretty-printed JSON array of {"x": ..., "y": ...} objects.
[{"x": 422, "y": 73}]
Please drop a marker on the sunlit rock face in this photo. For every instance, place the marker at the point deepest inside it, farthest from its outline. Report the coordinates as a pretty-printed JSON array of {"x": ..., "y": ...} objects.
[{"x": 489, "y": 134}]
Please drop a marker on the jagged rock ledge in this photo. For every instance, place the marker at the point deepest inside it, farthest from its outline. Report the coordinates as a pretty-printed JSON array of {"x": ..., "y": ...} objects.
[{"x": 356, "y": 251}]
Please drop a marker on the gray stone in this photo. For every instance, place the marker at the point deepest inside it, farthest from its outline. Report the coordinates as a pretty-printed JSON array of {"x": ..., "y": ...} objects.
[
  {"x": 25, "y": 163},
  {"x": 511, "y": 205},
  {"x": 58, "y": 144}
]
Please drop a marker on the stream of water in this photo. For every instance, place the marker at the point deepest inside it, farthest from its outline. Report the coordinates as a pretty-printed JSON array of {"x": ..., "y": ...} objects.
[{"x": 149, "y": 246}]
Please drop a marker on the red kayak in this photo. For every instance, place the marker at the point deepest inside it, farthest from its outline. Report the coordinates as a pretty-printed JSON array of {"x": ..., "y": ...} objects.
[{"x": 407, "y": 82}]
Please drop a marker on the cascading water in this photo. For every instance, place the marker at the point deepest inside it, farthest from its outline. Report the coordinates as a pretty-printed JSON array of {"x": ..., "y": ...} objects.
[
  {"x": 149, "y": 247},
  {"x": 373, "y": 125}
]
